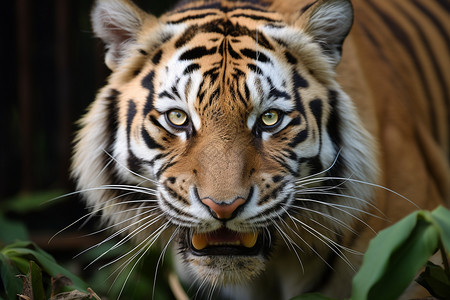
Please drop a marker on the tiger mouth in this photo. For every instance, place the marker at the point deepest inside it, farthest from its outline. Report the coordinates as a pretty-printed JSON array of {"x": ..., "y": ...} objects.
[{"x": 225, "y": 242}]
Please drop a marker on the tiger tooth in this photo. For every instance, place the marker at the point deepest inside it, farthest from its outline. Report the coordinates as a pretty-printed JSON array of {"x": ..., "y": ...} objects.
[
  {"x": 249, "y": 239},
  {"x": 199, "y": 241}
]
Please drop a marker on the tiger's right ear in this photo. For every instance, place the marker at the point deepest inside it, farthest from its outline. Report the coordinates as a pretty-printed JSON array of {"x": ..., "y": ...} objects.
[
  {"x": 328, "y": 22},
  {"x": 117, "y": 23}
]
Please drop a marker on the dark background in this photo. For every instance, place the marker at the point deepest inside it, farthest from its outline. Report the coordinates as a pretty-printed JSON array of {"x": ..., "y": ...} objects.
[{"x": 51, "y": 68}]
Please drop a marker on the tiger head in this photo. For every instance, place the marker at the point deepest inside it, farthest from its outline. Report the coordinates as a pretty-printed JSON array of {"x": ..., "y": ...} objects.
[{"x": 223, "y": 131}]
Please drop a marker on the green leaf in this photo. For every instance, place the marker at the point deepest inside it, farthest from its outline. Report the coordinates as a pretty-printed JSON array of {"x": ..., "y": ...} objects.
[
  {"x": 396, "y": 254},
  {"x": 441, "y": 217},
  {"x": 436, "y": 281},
  {"x": 37, "y": 285},
  {"x": 11, "y": 284},
  {"x": 24, "y": 251}
]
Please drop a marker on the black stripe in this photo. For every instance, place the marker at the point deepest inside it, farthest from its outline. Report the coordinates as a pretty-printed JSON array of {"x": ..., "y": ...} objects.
[
  {"x": 164, "y": 168},
  {"x": 174, "y": 208},
  {"x": 187, "y": 35},
  {"x": 255, "y": 17},
  {"x": 299, "y": 82},
  {"x": 197, "y": 52},
  {"x": 316, "y": 107},
  {"x": 191, "y": 68},
  {"x": 299, "y": 138},
  {"x": 157, "y": 57},
  {"x": 241, "y": 98},
  {"x": 334, "y": 131},
  {"x": 155, "y": 122},
  {"x": 258, "y": 56},
  {"x": 166, "y": 94},
  {"x": 149, "y": 141},
  {"x": 147, "y": 82},
  {"x": 131, "y": 113},
  {"x": 214, "y": 96},
  {"x": 109, "y": 173},
  {"x": 286, "y": 166},
  {"x": 306, "y": 7},
  {"x": 192, "y": 17},
  {"x": 255, "y": 68},
  {"x": 276, "y": 93},
  {"x": 157, "y": 157},
  {"x": 175, "y": 195},
  {"x": 232, "y": 52},
  {"x": 295, "y": 121},
  {"x": 113, "y": 124},
  {"x": 133, "y": 163},
  {"x": 207, "y": 5},
  {"x": 290, "y": 58},
  {"x": 273, "y": 194},
  {"x": 334, "y": 122}
]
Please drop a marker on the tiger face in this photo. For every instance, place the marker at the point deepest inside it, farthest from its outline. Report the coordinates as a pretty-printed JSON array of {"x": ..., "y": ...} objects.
[{"x": 223, "y": 132}]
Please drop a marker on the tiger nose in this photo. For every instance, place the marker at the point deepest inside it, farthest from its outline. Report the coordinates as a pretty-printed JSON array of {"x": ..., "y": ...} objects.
[{"x": 223, "y": 210}]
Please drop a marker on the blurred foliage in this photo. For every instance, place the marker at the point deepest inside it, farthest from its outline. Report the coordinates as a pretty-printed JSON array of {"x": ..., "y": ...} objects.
[
  {"x": 29, "y": 271},
  {"x": 397, "y": 254}
]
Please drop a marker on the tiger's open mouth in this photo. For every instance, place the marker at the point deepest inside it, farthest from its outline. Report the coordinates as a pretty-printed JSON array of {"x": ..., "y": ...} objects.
[{"x": 225, "y": 242}]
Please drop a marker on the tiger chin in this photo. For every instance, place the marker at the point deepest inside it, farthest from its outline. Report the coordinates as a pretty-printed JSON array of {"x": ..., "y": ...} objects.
[{"x": 223, "y": 133}]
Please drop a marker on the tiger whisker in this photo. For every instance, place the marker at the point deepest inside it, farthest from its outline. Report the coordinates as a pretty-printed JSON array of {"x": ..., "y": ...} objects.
[
  {"x": 134, "y": 173},
  {"x": 321, "y": 192},
  {"x": 200, "y": 288},
  {"x": 372, "y": 185},
  {"x": 141, "y": 254},
  {"x": 329, "y": 242},
  {"x": 123, "y": 221},
  {"x": 142, "y": 248},
  {"x": 161, "y": 256},
  {"x": 338, "y": 207},
  {"x": 289, "y": 242},
  {"x": 306, "y": 243},
  {"x": 123, "y": 240},
  {"x": 342, "y": 208},
  {"x": 313, "y": 176},
  {"x": 328, "y": 216},
  {"x": 212, "y": 289}
]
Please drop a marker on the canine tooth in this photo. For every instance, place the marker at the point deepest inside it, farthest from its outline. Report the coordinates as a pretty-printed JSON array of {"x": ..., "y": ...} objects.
[
  {"x": 199, "y": 241},
  {"x": 249, "y": 239}
]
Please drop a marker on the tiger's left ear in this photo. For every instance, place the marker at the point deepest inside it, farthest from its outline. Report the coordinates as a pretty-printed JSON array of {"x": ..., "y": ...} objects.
[
  {"x": 328, "y": 22},
  {"x": 117, "y": 23}
]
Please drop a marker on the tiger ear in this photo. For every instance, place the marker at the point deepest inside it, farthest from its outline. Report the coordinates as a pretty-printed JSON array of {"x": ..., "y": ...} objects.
[
  {"x": 117, "y": 23},
  {"x": 328, "y": 22}
]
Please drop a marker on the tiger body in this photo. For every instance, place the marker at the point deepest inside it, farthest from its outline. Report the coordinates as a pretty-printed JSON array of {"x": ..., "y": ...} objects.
[{"x": 237, "y": 134}]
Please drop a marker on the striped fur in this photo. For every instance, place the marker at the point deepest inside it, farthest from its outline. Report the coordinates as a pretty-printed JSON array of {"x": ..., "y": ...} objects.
[{"x": 356, "y": 120}]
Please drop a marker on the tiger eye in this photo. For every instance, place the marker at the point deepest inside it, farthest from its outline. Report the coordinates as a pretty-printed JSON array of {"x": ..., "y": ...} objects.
[
  {"x": 270, "y": 117},
  {"x": 177, "y": 117}
]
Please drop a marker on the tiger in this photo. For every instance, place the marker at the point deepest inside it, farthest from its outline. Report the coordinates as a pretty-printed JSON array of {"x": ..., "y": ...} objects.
[{"x": 265, "y": 142}]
